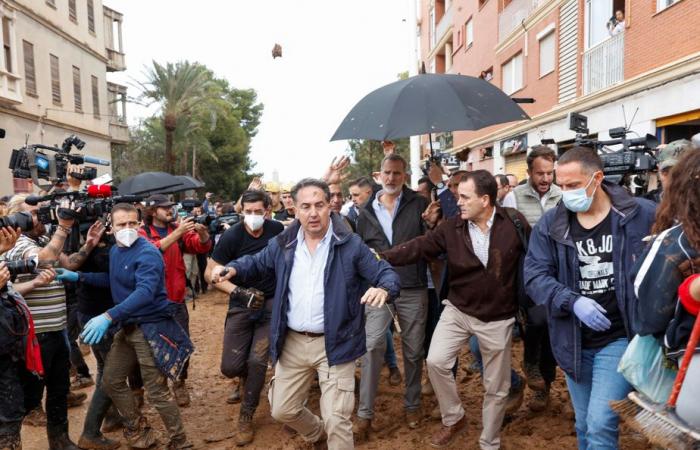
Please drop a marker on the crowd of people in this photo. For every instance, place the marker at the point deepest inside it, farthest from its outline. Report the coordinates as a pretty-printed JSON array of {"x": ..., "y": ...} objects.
[{"x": 321, "y": 283}]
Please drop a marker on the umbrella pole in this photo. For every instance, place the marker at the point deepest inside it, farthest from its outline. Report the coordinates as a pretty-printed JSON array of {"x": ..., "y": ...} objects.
[{"x": 430, "y": 141}]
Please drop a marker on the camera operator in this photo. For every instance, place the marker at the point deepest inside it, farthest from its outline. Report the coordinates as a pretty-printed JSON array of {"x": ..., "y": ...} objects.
[
  {"x": 47, "y": 305},
  {"x": 666, "y": 158},
  {"x": 173, "y": 240},
  {"x": 246, "y": 332}
]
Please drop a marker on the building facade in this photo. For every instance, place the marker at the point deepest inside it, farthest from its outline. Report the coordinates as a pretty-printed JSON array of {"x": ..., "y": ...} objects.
[
  {"x": 569, "y": 56},
  {"x": 53, "y": 79}
]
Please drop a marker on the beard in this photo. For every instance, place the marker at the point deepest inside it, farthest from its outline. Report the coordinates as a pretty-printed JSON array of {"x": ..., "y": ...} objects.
[{"x": 391, "y": 189}]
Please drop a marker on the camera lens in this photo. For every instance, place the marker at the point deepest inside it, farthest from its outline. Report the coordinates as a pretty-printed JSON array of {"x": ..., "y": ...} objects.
[
  {"x": 22, "y": 220},
  {"x": 21, "y": 267}
]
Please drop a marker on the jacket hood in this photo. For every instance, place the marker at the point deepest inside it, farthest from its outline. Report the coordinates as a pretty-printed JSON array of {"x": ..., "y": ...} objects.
[
  {"x": 622, "y": 203},
  {"x": 341, "y": 231}
]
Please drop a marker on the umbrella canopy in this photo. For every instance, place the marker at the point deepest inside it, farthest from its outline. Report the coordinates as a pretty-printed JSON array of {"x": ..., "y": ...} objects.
[
  {"x": 428, "y": 103},
  {"x": 187, "y": 183},
  {"x": 148, "y": 182}
]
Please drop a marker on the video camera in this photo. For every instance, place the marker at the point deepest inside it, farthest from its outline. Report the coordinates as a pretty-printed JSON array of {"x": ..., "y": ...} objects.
[
  {"x": 628, "y": 166},
  {"x": 87, "y": 207},
  {"x": 189, "y": 205},
  {"x": 219, "y": 224},
  {"x": 21, "y": 266},
  {"x": 22, "y": 220},
  {"x": 31, "y": 162}
]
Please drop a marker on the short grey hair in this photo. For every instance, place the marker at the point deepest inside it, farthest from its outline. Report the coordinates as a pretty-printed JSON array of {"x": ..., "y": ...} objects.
[
  {"x": 395, "y": 157},
  {"x": 311, "y": 182}
]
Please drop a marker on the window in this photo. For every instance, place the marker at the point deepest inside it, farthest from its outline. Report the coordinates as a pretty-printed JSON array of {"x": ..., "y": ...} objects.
[
  {"x": 55, "y": 81},
  {"x": 95, "y": 97},
  {"x": 547, "y": 54},
  {"x": 51, "y": 3},
  {"x": 6, "y": 44},
  {"x": 431, "y": 30},
  {"x": 29, "y": 70},
  {"x": 77, "y": 94},
  {"x": 469, "y": 32},
  {"x": 91, "y": 15},
  {"x": 513, "y": 74},
  {"x": 72, "y": 12},
  {"x": 663, "y": 4}
]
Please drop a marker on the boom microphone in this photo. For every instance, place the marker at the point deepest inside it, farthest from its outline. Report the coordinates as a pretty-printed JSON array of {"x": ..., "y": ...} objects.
[{"x": 93, "y": 160}]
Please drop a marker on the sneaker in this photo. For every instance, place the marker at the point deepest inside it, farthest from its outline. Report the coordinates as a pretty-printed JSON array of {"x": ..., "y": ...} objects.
[
  {"x": 361, "y": 429},
  {"x": 446, "y": 435},
  {"x": 81, "y": 382},
  {"x": 535, "y": 381},
  {"x": 182, "y": 395},
  {"x": 540, "y": 401},
  {"x": 427, "y": 389},
  {"x": 97, "y": 443},
  {"x": 413, "y": 419},
  {"x": 140, "y": 435},
  {"x": 515, "y": 398},
  {"x": 395, "y": 378},
  {"x": 76, "y": 399},
  {"x": 245, "y": 433},
  {"x": 36, "y": 417}
]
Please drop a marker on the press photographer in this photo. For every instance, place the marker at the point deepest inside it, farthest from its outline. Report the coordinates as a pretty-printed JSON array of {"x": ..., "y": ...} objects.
[
  {"x": 46, "y": 300},
  {"x": 173, "y": 239}
]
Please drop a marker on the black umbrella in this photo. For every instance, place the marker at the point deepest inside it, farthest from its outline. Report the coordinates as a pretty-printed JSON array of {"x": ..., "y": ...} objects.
[
  {"x": 148, "y": 182},
  {"x": 187, "y": 183},
  {"x": 428, "y": 103}
]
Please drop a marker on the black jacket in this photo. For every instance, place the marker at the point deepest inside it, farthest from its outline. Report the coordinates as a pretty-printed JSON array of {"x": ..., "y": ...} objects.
[{"x": 407, "y": 225}]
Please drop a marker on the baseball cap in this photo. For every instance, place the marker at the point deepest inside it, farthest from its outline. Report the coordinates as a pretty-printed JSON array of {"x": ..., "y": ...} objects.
[
  {"x": 272, "y": 186},
  {"x": 672, "y": 152},
  {"x": 158, "y": 201},
  {"x": 286, "y": 187}
]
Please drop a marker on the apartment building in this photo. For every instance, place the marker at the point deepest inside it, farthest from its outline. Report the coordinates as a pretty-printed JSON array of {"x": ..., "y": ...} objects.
[
  {"x": 568, "y": 56},
  {"x": 54, "y": 79}
]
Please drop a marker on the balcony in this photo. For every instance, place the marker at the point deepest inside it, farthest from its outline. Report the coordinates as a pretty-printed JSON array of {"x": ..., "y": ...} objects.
[
  {"x": 10, "y": 88},
  {"x": 116, "y": 61},
  {"x": 513, "y": 15},
  {"x": 604, "y": 64},
  {"x": 443, "y": 26},
  {"x": 118, "y": 132}
]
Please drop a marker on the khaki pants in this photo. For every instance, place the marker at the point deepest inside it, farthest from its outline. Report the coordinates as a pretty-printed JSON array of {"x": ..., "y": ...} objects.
[
  {"x": 452, "y": 333},
  {"x": 301, "y": 357},
  {"x": 128, "y": 348}
]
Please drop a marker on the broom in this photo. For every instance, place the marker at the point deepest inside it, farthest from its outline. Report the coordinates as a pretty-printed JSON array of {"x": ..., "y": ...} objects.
[{"x": 659, "y": 423}]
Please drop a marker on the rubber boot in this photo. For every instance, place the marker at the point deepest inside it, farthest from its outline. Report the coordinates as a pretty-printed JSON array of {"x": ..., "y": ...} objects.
[{"x": 58, "y": 437}]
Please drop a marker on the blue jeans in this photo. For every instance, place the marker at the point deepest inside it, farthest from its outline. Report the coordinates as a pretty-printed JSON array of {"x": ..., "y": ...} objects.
[
  {"x": 596, "y": 424},
  {"x": 390, "y": 353},
  {"x": 515, "y": 379}
]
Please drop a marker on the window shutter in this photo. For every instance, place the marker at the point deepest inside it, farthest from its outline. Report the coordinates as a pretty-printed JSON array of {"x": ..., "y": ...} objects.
[
  {"x": 95, "y": 97},
  {"x": 77, "y": 93},
  {"x": 91, "y": 15},
  {"x": 72, "y": 12},
  {"x": 55, "y": 81},
  {"x": 29, "y": 70}
]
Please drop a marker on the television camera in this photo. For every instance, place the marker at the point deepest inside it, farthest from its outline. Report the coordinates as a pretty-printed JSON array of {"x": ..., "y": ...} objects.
[
  {"x": 32, "y": 161},
  {"x": 630, "y": 164},
  {"x": 189, "y": 205}
]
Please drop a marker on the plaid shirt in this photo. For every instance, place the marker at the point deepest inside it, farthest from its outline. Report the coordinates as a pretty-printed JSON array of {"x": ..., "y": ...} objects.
[{"x": 480, "y": 241}]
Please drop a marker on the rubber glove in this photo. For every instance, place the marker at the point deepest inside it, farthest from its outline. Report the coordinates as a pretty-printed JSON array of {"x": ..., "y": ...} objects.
[
  {"x": 67, "y": 275},
  {"x": 591, "y": 314},
  {"x": 95, "y": 329}
]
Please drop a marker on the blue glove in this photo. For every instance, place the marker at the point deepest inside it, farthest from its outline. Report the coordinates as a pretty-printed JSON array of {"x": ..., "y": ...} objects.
[
  {"x": 95, "y": 329},
  {"x": 591, "y": 314},
  {"x": 67, "y": 275}
]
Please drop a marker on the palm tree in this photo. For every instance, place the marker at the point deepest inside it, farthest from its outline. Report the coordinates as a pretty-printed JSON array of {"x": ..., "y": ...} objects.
[{"x": 180, "y": 89}]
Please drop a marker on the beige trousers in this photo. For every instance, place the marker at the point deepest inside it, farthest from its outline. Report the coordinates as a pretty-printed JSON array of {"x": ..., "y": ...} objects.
[
  {"x": 452, "y": 333},
  {"x": 301, "y": 357}
]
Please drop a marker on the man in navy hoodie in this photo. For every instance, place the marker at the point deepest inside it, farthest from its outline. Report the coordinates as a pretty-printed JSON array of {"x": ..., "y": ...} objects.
[{"x": 142, "y": 312}]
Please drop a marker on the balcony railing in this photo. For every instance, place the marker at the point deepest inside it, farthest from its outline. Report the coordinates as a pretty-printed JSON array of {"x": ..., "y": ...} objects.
[
  {"x": 118, "y": 133},
  {"x": 116, "y": 61},
  {"x": 513, "y": 15},
  {"x": 604, "y": 64},
  {"x": 443, "y": 26}
]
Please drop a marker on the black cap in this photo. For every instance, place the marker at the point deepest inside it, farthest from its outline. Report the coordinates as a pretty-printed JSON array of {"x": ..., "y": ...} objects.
[{"x": 158, "y": 201}]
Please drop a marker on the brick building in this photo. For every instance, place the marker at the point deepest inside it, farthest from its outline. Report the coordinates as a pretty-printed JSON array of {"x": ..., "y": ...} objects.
[
  {"x": 53, "y": 79},
  {"x": 569, "y": 57}
]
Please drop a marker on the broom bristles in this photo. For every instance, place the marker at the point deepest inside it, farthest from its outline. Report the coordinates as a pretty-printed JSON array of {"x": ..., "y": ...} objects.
[{"x": 656, "y": 426}]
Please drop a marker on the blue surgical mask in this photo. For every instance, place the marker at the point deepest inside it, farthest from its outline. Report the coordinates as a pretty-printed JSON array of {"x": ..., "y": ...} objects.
[{"x": 576, "y": 200}]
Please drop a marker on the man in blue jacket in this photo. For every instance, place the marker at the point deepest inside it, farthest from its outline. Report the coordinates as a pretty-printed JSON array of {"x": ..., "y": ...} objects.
[
  {"x": 317, "y": 323},
  {"x": 578, "y": 264},
  {"x": 141, "y": 306}
]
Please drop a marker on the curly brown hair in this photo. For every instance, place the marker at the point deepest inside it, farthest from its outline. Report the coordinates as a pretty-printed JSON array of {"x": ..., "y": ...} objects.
[{"x": 681, "y": 202}]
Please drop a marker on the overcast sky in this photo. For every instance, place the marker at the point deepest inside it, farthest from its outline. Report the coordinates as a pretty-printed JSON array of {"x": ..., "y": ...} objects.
[{"x": 335, "y": 52}]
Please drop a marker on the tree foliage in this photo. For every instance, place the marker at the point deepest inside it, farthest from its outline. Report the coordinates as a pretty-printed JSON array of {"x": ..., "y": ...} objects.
[{"x": 203, "y": 128}]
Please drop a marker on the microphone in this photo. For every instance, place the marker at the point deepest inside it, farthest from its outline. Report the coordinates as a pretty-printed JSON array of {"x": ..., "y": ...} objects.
[
  {"x": 34, "y": 200},
  {"x": 93, "y": 160},
  {"x": 99, "y": 191}
]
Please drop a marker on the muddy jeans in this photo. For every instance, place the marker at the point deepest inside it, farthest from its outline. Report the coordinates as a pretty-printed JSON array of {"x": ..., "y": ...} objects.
[
  {"x": 301, "y": 358},
  {"x": 12, "y": 408},
  {"x": 245, "y": 352},
  {"x": 129, "y": 348},
  {"x": 182, "y": 317}
]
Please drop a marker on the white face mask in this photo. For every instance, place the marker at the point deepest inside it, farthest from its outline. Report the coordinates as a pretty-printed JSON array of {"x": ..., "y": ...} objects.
[
  {"x": 254, "y": 221},
  {"x": 127, "y": 236}
]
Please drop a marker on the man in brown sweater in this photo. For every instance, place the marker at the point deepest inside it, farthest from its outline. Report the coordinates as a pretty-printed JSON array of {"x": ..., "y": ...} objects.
[{"x": 481, "y": 301}]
